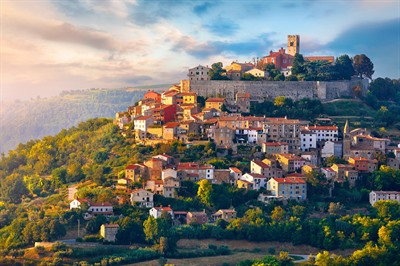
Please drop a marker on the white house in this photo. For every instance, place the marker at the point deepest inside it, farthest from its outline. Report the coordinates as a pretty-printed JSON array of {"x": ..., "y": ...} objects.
[
  {"x": 324, "y": 133},
  {"x": 332, "y": 148},
  {"x": 258, "y": 181},
  {"x": 143, "y": 122},
  {"x": 157, "y": 211},
  {"x": 76, "y": 203},
  {"x": 375, "y": 196},
  {"x": 308, "y": 140}
]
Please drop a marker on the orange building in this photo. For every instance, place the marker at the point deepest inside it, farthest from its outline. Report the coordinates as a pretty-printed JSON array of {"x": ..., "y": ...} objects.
[{"x": 153, "y": 95}]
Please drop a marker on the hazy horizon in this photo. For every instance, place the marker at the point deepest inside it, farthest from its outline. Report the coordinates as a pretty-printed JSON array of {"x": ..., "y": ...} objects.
[{"x": 51, "y": 46}]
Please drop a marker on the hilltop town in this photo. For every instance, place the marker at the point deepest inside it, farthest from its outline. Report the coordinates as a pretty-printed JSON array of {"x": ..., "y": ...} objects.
[{"x": 237, "y": 153}]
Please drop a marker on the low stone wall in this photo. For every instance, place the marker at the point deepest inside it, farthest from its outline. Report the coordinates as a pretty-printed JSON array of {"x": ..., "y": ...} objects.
[
  {"x": 44, "y": 244},
  {"x": 263, "y": 90}
]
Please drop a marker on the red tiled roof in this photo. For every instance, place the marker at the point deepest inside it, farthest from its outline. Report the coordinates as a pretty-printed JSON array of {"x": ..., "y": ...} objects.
[
  {"x": 330, "y": 59},
  {"x": 289, "y": 180},
  {"x": 143, "y": 117},
  {"x": 274, "y": 144},
  {"x": 215, "y": 100},
  {"x": 315, "y": 127},
  {"x": 131, "y": 167},
  {"x": 169, "y": 93},
  {"x": 171, "y": 124},
  {"x": 236, "y": 170},
  {"x": 189, "y": 165},
  {"x": 261, "y": 164},
  {"x": 96, "y": 204},
  {"x": 161, "y": 208},
  {"x": 111, "y": 225}
]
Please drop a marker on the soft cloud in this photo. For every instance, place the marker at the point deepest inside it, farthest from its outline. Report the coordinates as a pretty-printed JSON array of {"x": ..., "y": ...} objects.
[
  {"x": 379, "y": 41},
  {"x": 222, "y": 27},
  {"x": 203, "y": 8}
]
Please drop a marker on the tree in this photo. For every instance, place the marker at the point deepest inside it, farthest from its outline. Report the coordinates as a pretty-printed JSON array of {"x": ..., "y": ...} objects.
[
  {"x": 278, "y": 214},
  {"x": 216, "y": 72},
  {"x": 363, "y": 66},
  {"x": 13, "y": 189},
  {"x": 335, "y": 208},
  {"x": 205, "y": 191},
  {"x": 150, "y": 228},
  {"x": 344, "y": 67},
  {"x": 388, "y": 209},
  {"x": 298, "y": 65}
]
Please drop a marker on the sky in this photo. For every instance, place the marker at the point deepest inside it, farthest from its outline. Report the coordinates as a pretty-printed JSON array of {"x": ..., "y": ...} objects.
[{"x": 50, "y": 46}]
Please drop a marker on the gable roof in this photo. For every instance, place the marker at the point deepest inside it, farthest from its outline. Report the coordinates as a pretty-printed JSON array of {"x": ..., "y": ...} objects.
[{"x": 289, "y": 180}]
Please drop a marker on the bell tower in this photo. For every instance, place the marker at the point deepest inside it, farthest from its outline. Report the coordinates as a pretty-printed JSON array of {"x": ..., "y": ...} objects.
[{"x": 293, "y": 44}]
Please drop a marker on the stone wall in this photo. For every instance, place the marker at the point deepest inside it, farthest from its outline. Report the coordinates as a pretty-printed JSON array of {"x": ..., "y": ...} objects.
[{"x": 263, "y": 90}]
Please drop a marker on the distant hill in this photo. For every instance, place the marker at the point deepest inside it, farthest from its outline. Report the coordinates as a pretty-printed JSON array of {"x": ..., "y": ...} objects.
[{"x": 21, "y": 121}]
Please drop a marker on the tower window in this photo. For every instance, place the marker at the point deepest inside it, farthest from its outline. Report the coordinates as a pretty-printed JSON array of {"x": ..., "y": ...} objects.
[{"x": 291, "y": 43}]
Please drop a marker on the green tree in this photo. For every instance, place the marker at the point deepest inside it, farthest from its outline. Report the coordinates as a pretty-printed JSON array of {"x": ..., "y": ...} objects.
[
  {"x": 388, "y": 209},
  {"x": 363, "y": 66},
  {"x": 150, "y": 228},
  {"x": 204, "y": 192},
  {"x": 13, "y": 189},
  {"x": 344, "y": 67},
  {"x": 217, "y": 72},
  {"x": 298, "y": 65}
]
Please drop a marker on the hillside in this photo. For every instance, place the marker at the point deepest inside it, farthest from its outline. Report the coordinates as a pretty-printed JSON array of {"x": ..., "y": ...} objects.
[{"x": 21, "y": 121}]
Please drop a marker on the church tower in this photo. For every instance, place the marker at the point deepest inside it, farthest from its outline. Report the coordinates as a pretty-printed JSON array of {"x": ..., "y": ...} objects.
[
  {"x": 293, "y": 44},
  {"x": 346, "y": 141}
]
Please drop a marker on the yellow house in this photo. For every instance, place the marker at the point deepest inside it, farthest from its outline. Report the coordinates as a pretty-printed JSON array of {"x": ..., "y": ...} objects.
[
  {"x": 215, "y": 103},
  {"x": 187, "y": 98},
  {"x": 155, "y": 131}
]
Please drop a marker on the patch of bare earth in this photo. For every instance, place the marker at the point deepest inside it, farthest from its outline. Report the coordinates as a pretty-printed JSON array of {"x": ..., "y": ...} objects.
[{"x": 240, "y": 251}]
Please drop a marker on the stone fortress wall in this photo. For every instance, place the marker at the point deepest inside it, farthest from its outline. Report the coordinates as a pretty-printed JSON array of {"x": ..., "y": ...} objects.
[{"x": 263, "y": 90}]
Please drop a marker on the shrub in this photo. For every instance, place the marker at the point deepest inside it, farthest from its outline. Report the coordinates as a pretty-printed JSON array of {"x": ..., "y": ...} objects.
[
  {"x": 40, "y": 250},
  {"x": 58, "y": 246}
]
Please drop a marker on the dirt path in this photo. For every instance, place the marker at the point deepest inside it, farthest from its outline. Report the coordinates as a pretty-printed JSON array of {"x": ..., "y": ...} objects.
[{"x": 71, "y": 192}]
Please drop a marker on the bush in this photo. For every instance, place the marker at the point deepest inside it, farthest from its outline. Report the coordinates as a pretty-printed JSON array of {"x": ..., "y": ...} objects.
[
  {"x": 40, "y": 250},
  {"x": 92, "y": 238},
  {"x": 58, "y": 246}
]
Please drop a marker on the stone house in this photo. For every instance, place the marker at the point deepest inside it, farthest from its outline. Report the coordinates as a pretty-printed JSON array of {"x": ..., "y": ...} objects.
[
  {"x": 142, "y": 197},
  {"x": 196, "y": 217},
  {"x": 288, "y": 187},
  {"x": 109, "y": 232},
  {"x": 224, "y": 214}
]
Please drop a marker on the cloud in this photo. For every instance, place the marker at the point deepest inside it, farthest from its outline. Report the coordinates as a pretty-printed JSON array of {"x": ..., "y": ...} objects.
[
  {"x": 144, "y": 13},
  {"x": 222, "y": 27},
  {"x": 191, "y": 46},
  {"x": 65, "y": 32},
  {"x": 380, "y": 41},
  {"x": 202, "y": 9}
]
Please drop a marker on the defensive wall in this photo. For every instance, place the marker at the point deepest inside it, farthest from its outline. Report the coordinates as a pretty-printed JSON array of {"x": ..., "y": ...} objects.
[{"x": 263, "y": 90}]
